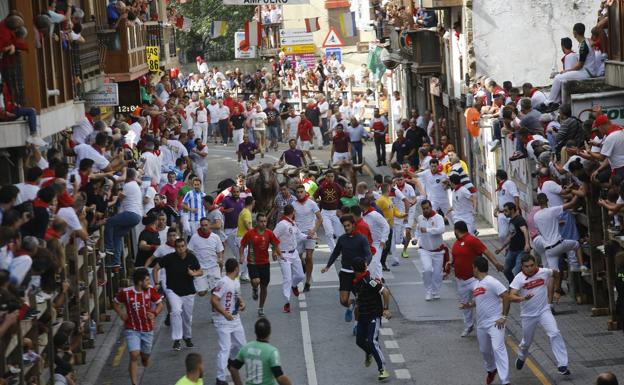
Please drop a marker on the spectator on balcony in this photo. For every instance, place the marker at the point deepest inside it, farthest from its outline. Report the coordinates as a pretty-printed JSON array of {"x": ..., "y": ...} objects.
[
  {"x": 570, "y": 58},
  {"x": 585, "y": 68},
  {"x": 74, "y": 216},
  {"x": 94, "y": 151},
  {"x": 10, "y": 111},
  {"x": 83, "y": 130},
  {"x": 571, "y": 129},
  {"x": 537, "y": 96},
  {"x": 58, "y": 17},
  {"x": 131, "y": 211},
  {"x": 611, "y": 153},
  {"x": 30, "y": 187},
  {"x": 116, "y": 12},
  {"x": 426, "y": 18}
]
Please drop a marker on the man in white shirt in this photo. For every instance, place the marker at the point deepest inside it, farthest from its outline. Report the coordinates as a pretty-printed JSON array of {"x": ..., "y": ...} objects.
[
  {"x": 611, "y": 154},
  {"x": 308, "y": 218},
  {"x": 289, "y": 236},
  {"x": 208, "y": 249},
  {"x": 223, "y": 113},
  {"x": 358, "y": 108},
  {"x": 464, "y": 203},
  {"x": 137, "y": 128},
  {"x": 492, "y": 303},
  {"x": 507, "y": 191},
  {"x": 532, "y": 288},
  {"x": 213, "y": 113},
  {"x": 547, "y": 222},
  {"x": 396, "y": 109},
  {"x": 405, "y": 203},
  {"x": 94, "y": 152},
  {"x": 82, "y": 130},
  {"x": 130, "y": 214},
  {"x": 380, "y": 230},
  {"x": 151, "y": 163},
  {"x": 227, "y": 303},
  {"x": 435, "y": 184},
  {"x": 201, "y": 121},
  {"x": 323, "y": 106},
  {"x": 428, "y": 233},
  {"x": 30, "y": 187},
  {"x": 345, "y": 110},
  {"x": 336, "y": 119},
  {"x": 292, "y": 123}
]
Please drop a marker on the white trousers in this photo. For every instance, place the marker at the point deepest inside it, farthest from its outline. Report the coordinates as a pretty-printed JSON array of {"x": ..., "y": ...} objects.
[
  {"x": 237, "y": 136},
  {"x": 233, "y": 243},
  {"x": 375, "y": 269},
  {"x": 318, "y": 137},
  {"x": 468, "y": 218},
  {"x": 398, "y": 232},
  {"x": 538, "y": 247},
  {"x": 201, "y": 130},
  {"x": 555, "y": 91},
  {"x": 208, "y": 280},
  {"x": 338, "y": 156},
  {"x": 557, "y": 344},
  {"x": 432, "y": 270},
  {"x": 181, "y": 314},
  {"x": 231, "y": 337},
  {"x": 464, "y": 295},
  {"x": 492, "y": 347},
  {"x": 332, "y": 227},
  {"x": 292, "y": 272},
  {"x": 503, "y": 227},
  {"x": 567, "y": 246},
  {"x": 201, "y": 170}
]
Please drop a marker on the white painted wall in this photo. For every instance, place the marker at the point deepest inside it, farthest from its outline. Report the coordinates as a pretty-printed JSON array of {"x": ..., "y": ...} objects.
[{"x": 519, "y": 40}]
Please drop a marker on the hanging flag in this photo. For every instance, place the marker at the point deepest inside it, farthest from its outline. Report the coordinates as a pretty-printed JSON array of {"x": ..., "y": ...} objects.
[
  {"x": 312, "y": 24},
  {"x": 347, "y": 23},
  {"x": 218, "y": 28},
  {"x": 186, "y": 24},
  {"x": 253, "y": 33}
]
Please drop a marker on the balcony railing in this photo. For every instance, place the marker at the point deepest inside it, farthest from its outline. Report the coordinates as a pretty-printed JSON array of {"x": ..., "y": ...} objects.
[
  {"x": 442, "y": 3},
  {"x": 125, "y": 52},
  {"x": 162, "y": 35},
  {"x": 270, "y": 39},
  {"x": 86, "y": 61}
]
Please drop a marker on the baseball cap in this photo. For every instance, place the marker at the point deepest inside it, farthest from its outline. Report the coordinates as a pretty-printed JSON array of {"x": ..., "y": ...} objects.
[{"x": 600, "y": 120}]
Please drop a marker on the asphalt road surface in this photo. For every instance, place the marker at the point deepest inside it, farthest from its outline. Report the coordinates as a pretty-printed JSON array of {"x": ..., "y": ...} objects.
[{"x": 316, "y": 344}]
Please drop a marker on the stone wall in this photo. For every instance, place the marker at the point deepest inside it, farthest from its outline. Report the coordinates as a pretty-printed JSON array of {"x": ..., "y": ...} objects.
[{"x": 520, "y": 40}]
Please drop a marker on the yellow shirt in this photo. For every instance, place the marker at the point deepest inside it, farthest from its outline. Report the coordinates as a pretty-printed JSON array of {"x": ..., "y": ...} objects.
[
  {"x": 448, "y": 166},
  {"x": 244, "y": 216},
  {"x": 185, "y": 381},
  {"x": 388, "y": 209}
]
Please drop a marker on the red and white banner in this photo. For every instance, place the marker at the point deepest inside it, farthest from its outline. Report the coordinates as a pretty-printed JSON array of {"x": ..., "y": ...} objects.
[
  {"x": 253, "y": 33},
  {"x": 312, "y": 24}
]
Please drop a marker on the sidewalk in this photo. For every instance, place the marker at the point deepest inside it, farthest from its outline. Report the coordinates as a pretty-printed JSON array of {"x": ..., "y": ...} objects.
[{"x": 592, "y": 349}]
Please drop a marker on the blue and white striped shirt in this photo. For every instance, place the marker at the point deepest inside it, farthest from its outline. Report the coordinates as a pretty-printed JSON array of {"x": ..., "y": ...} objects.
[{"x": 194, "y": 200}]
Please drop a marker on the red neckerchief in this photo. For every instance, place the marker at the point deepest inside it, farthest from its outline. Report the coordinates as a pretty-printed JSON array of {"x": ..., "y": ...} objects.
[
  {"x": 369, "y": 210},
  {"x": 528, "y": 139},
  {"x": 172, "y": 244},
  {"x": 51, "y": 233},
  {"x": 500, "y": 185},
  {"x": 304, "y": 199},
  {"x": 201, "y": 146},
  {"x": 21, "y": 252},
  {"x": 39, "y": 203},
  {"x": 204, "y": 234},
  {"x": 157, "y": 152},
  {"x": 84, "y": 178},
  {"x": 31, "y": 183},
  {"x": 430, "y": 215},
  {"x": 151, "y": 229},
  {"x": 359, "y": 276},
  {"x": 285, "y": 218},
  {"x": 458, "y": 186},
  {"x": 533, "y": 90},
  {"x": 401, "y": 187},
  {"x": 541, "y": 180},
  {"x": 563, "y": 59},
  {"x": 306, "y": 180},
  {"x": 529, "y": 276},
  {"x": 613, "y": 128}
]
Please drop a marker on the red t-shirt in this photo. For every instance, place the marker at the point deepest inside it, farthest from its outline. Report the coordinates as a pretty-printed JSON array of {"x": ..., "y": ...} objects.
[
  {"x": 258, "y": 250},
  {"x": 361, "y": 227},
  {"x": 341, "y": 142},
  {"x": 138, "y": 304},
  {"x": 330, "y": 194},
  {"x": 465, "y": 250},
  {"x": 304, "y": 130}
]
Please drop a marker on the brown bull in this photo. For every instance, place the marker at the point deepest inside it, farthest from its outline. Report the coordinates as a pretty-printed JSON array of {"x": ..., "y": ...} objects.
[
  {"x": 348, "y": 170},
  {"x": 262, "y": 180}
]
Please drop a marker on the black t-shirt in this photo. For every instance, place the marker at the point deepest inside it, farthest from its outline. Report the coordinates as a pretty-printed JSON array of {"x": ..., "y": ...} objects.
[
  {"x": 283, "y": 109},
  {"x": 151, "y": 238},
  {"x": 238, "y": 121},
  {"x": 272, "y": 116},
  {"x": 517, "y": 237},
  {"x": 313, "y": 115},
  {"x": 368, "y": 296},
  {"x": 176, "y": 268},
  {"x": 171, "y": 214},
  {"x": 583, "y": 51},
  {"x": 401, "y": 149}
]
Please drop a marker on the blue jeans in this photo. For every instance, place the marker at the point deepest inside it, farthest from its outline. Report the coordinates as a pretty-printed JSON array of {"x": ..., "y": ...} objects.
[
  {"x": 496, "y": 126},
  {"x": 31, "y": 117},
  {"x": 512, "y": 264},
  {"x": 139, "y": 341},
  {"x": 213, "y": 128},
  {"x": 116, "y": 228},
  {"x": 356, "y": 152},
  {"x": 272, "y": 133}
]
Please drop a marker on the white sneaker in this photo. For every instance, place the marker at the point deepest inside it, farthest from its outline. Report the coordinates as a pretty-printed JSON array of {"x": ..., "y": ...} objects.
[
  {"x": 436, "y": 296},
  {"x": 467, "y": 331},
  {"x": 428, "y": 297},
  {"x": 36, "y": 140},
  {"x": 493, "y": 145},
  {"x": 42, "y": 297},
  {"x": 585, "y": 271}
]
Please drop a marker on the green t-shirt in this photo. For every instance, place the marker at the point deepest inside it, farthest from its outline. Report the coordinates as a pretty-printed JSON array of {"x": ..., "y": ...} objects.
[
  {"x": 349, "y": 202},
  {"x": 310, "y": 187},
  {"x": 185, "y": 381},
  {"x": 259, "y": 357}
]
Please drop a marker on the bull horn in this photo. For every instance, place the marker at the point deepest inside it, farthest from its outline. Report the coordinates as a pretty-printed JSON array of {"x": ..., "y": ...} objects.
[
  {"x": 335, "y": 168},
  {"x": 276, "y": 166},
  {"x": 315, "y": 173},
  {"x": 358, "y": 166},
  {"x": 254, "y": 168}
]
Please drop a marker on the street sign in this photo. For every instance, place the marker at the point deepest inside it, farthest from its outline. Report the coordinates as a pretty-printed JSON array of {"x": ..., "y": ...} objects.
[
  {"x": 153, "y": 58},
  {"x": 295, "y": 36},
  {"x": 106, "y": 95},
  {"x": 334, "y": 50},
  {"x": 298, "y": 49},
  {"x": 265, "y": 2},
  {"x": 242, "y": 50},
  {"x": 332, "y": 39}
]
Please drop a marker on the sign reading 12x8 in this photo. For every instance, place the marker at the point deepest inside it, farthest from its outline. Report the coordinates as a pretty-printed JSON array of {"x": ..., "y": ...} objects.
[{"x": 260, "y": 2}]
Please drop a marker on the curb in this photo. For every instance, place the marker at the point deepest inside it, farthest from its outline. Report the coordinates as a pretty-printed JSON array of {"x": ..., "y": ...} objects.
[{"x": 97, "y": 358}]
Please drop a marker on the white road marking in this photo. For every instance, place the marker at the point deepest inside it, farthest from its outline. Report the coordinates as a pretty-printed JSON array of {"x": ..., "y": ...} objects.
[
  {"x": 402, "y": 374},
  {"x": 397, "y": 358},
  {"x": 391, "y": 344},
  {"x": 388, "y": 275},
  {"x": 308, "y": 354},
  {"x": 301, "y": 297},
  {"x": 386, "y": 332},
  {"x": 303, "y": 304}
]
